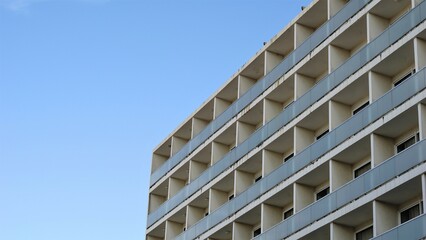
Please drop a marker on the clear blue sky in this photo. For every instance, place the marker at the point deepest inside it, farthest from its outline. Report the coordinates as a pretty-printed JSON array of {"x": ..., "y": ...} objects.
[{"x": 89, "y": 87}]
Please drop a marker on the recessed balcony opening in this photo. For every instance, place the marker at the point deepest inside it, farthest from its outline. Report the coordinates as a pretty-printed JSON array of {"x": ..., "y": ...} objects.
[
  {"x": 351, "y": 163},
  {"x": 278, "y": 208},
  {"x": 248, "y": 173},
  {"x": 284, "y": 44},
  {"x": 247, "y": 226},
  {"x": 278, "y": 151},
  {"x": 161, "y": 154},
  {"x": 312, "y": 187},
  {"x": 222, "y": 192},
  {"x": 256, "y": 69},
  {"x": 310, "y": 73},
  {"x": 391, "y": 10},
  {"x": 157, "y": 233},
  {"x": 311, "y": 128},
  {"x": 224, "y": 143},
  {"x": 200, "y": 162},
  {"x": 399, "y": 205},
  {"x": 279, "y": 99},
  {"x": 224, "y": 233},
  {"x": 206, "y": 113},
  {"x": 397, "y": 135},
  {"x": 348, "y": 43},
  {"x": 357, "y": 224},
  {"x": 158, "y": 196},
  {"x": 392, "y": 71},
  {"x": 322, "y": 233},
  {"x": 176, "y": 224},
  {"x": 179, "y": 179},
  {"x": 250, "y": 122},
  {"x": 229, "y": 92},
  {"x": 197, "y": 209},
  {"x": 349, "y": 101},
  {"x": 334, "y": 6},
  {"x": 311, "y": 20}
]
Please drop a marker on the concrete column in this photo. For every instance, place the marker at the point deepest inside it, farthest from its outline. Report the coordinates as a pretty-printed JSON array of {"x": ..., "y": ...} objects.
[
  {"x": 422, "y": 120},
  {"x": 424, "y": 191},
  {"x": 334, "y": 6},
  {"x": 419, "y": 53}
]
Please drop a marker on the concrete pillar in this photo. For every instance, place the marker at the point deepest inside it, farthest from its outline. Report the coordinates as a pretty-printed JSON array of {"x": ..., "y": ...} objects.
[
  {"x": 271, "y": 215},
  {"x": 340, "y": 173},
  {"x": 385, "y": 217},
  {"x": 341, "y": 232}
]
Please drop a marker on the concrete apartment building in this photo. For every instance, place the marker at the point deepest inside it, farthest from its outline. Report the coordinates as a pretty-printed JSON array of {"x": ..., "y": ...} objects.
[{"x": 321, "y": 135}]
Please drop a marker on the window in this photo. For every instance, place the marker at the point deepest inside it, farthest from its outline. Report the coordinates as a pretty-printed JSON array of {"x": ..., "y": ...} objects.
[
  {"x": 322, "y": 134},
  {"x": 364, "y": 168},
  {"x": 405, "y": 77},
  {"x": 231, "y": 197},
  {"x": 407, "y": 143},
  {"x": 364, "y": 234},
  {"x": 258, "y": 178},
  {"x": 360, "y": 108},
  {"x": 411, "y": 212},
  {"x": 288, "y": 213},
  {"x": 288, "y": 157},
  {"x": 322, "y": 193},
  {"x": 257, "y": 232}
]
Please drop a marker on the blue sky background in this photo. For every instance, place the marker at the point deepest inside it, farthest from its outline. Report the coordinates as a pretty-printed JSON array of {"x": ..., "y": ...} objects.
[{"x": 89, "y": 87}]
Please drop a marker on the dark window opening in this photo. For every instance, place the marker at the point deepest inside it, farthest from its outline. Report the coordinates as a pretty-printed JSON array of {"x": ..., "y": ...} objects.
[
  {"x": 322, "y": 193},
  {"x": 288, "y": 213},
  {"x": 231, "y": 197},
  {"x": 364, "y": 234},
  {"x": 360, "y": 108},
  {"x": 411, "y": 213},
  {"x": 288, "y": 157},
  {"x": 406, "y": 144},
  {"x": 364, "y": 168},
  {"x": 405, "y": 77},
  {"x": 258, "y": 178},
  {"x": 322, "y": 134},
  {"x": 257, "y": 232}
]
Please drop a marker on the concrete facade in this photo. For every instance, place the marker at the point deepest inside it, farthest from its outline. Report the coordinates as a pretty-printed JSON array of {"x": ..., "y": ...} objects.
[{"x": 321, "y": 135}]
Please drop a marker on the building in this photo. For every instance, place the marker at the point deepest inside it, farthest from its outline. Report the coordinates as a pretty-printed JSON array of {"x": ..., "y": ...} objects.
[{"x": 319, "y": 136}]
